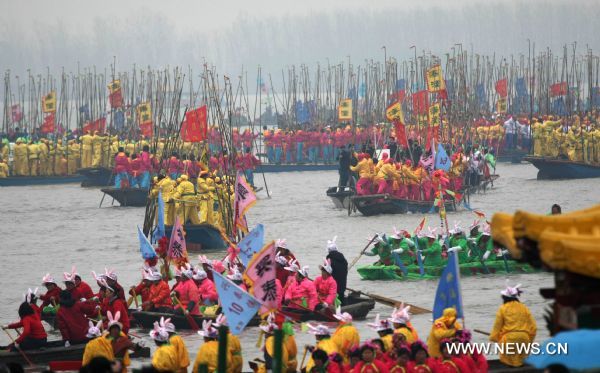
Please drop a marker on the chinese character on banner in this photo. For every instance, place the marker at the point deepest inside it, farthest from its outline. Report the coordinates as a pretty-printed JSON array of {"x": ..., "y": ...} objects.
[
  {"x": 195, "y": 126},
  {"x": 435, "y": 79},
  {"x": 420, "y": 102},
  {"x": 177, "y": 247},
  {"x": 558, "y": 89},
  {"x": 400, "y": 131},
  {"x": 238, "y": 306},
  {"x": 345, "y": 109},
  {"x": 435, "y": 115},
  {"x": 49, "y": 102},
  {"x": 244, "y": 199},
  {"x": 394, "y": 112},
  {"x": 251, "y": 244},
  {"x": 261, "y": 273},
  {"x": 97, "y": 125},
  {"x": 501, "y": 105}
]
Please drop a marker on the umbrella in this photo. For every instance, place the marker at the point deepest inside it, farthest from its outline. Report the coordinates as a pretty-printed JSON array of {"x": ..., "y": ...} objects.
[{"x": 577, "y": 349}]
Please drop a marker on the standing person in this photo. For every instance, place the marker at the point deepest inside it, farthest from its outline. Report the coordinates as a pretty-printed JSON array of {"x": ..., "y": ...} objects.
[
  {"x": 249, "y": 163},
  {"x": 33, "y": 335},
  {"x": 443, "y": 327},
  {"x": 145, "y": 168},
  {"x": 514, "y": 324},
  {"x": 346, "y": 336},
  {"x": 121, "y": 169},
  {"x": 339, "y": 266},
  {"x": 343, "y": 158}
]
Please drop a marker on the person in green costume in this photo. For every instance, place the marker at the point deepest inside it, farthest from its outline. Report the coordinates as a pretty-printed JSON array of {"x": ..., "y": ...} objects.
[
  {"x": 383, "y": 250},
  {"x": 458, "y": 239},
  {"x": 433, "y": 250},
  {"x": 482, "y": 246},
  {"x": 402, "y": 247}
]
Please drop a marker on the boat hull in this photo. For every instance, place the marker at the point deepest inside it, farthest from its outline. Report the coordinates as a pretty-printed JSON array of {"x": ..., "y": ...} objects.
[
  {"x": 556, "y": 169},
  {"x": 128, "y": 197},
  {"x": 340, "y": 198},
  {"x": 514, "y": 156},
  {"x": 96, "y": 176},
  {"x": 378, "y": 204},
  {"x": 200, "y": 238},
  {"x": 296, "y": 167},
  {"x": 39, "y": 180}
]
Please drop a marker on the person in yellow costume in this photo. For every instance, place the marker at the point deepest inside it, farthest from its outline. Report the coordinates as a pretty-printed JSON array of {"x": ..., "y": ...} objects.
[
  {"x": 268, "y": 328},
  {"x": 20, "y": 163},
  {"x": 165, "y": 358},
  {"x": 98, "y": 346},
  {"x": 208, "y": 353},
  {"x": 514, "y": 324},
  {"x": 345, "y": 336},
  {"x": 32, "y": 156},
  {"x": 97, "y": 149},
  {"x": 114, "y": 149},
  {"x": 443, "y": 327},
  {"x": 43, "y": 157},
  {"x": 218, "y": 199},
  {"x": 383, "y": 327},
  {"x": 165, "y": 185},
  {"x": 537, "y": 133},
  {"x": 87, "y": 154},
  {"x": 4, "y": 173},
  {"x": 105, "y": 148},
  {"x": 186, "y": 202},
  {"x": 60, "y": 162},
  {"x": 73, "y": 156},
  {"x": 205, "y": 198},
  {"x": 233, "y": 345},
  {"x": 5, "y": 149},
  {"x": 401, "y": 321},
  {"x": 364, "y": 174},
  {"x": 178, "y": 351},
  {"x": 324, "y": 342},
  {"x": 289, "y": 342}
]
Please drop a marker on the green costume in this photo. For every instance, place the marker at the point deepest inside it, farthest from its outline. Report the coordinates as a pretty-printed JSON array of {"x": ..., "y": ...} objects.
[
  {"x": 463, "y": 253},
  {"x": 383, "y": 250},
  {"x": 433, "y": 255}
]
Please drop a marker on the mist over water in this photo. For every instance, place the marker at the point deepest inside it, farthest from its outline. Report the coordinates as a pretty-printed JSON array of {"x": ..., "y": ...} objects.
[{"x": 50, "y": 228}]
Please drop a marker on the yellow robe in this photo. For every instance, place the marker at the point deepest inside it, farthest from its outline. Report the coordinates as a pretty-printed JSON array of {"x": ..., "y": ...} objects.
[
  {"x": 407, "y": 333},
  {"x": 3, "y": 170},
  {"x": 346, "y": 338},
  {"x": 289, "y": 342},
  {"x": 33, "y": 153},
  {"x": 97, "y": 347},
  {"x": 20, "y": 166},
  {"x": 235, "y": 349},
  {"x": 165, "y": 359},
  {"x": 87, "y": 150},
  {"x": 441, "y": 330},
  {"x": 208, "y": 354},
  {"x": 187, "y": 206},
  {"x": 514, "y": 324},
  {"x": 181, "y": 353}
]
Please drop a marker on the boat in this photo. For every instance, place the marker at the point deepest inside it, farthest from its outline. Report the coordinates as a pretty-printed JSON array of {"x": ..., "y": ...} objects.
[
  {"x": 340, "y": 196},
  {"x": 56, "y": 350},
  {"x": 483, "y": 185},
  {"x": 39, "y": 180},
  {"x": 393, "y": 272},
  {"x": 554, "y": 168},
  {"x": 357, "y": 306},
  {"x": 376, "y": 204},
  {"x": 127, "y": 197},
  {"x": 96, "y": 176},
  {"x": 511, "y": 155},
  {"x": 296, "y": 167},
  {"x": 200, "y": 237}
]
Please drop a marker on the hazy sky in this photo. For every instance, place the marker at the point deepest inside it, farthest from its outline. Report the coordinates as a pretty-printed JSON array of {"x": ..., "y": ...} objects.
[{"x": 231, "y": 33}]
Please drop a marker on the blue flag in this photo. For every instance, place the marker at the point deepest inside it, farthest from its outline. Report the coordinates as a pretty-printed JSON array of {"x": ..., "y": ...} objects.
[
  {"x": 448, "y": 291},
  {"x": 119, "y": 119},
  {"x": 238, "y": 306},
  {"x": 442, "y": 161},
  {"x": 84, "y": 111},
  {"x": 559, "y": 107},
  {"x": 400, "y": 84},
  {"x": 145, "y": 247},
  {"x": 521, "y": 87},
  {"x": 251, "y": 243},
  {"x": 159, "y": 231},
  {"x": 480, "y": 93}
]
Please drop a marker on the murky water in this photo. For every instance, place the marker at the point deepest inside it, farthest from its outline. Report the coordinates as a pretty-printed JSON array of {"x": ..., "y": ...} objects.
[{"x": 50, "y": 228}]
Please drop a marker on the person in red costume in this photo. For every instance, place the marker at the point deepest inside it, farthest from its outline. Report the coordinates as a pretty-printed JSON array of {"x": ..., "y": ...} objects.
[
  {"x": 113, "y": 304},
  {"x": 110, "y": 277},
  {"x": 84, "y": 290},
  {"x": 33, "y": 335},
  {"x": 249, "y": 163},
  {"x": 186, "y": 291},
  {"x": 368, "y": 363},
  {"x": 420, "y": 362},
  {"x": 72, "y": 318},
  {"x": 159, "y": 295},
  {"x": 300, "y": 292},
  {"x": 402, "y": 357},
  {"x": 121, "y": 169},
  {"x": 134, "y": 171},
  {"x": 449, "y": 363},
  {"x": 174, "y": 166},
  {"x": 326, "y": 286},
  {"x": 206, "y": 288},
  {"x": 52, "y": 293}
]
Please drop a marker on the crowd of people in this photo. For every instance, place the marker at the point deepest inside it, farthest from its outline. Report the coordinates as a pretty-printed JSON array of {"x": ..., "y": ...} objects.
[{"x": 101, "y": 321}]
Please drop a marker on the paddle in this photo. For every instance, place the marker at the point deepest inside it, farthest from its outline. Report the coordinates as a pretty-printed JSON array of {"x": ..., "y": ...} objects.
[
  {"x": 415, "y": 310},
  {"x": 303, "y": 358},
  {"x": 18, "y": 348},
  {"x": 481, "y": 332},
  {"x": 187, "y": 315},
  {"x": 362, "y": 252},
  {"x": 328, "y": 316}
]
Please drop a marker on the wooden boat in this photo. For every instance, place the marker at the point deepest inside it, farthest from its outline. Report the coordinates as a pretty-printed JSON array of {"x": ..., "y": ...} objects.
[
  {"x": 296, "y": 167},
  {"x": 554, "y": 168},
  {"x": 39, "y": 180},
  {"x": 358, "y": 307},
  {"x": 96, "y": 176},
  {"x": 376, "y": 204},
  {"x": 393, "y": 272},
  {"x": 483, "y": 185},
  {"x": 201, "y": 237},
  {"x": 511, "y": 155},
  {"x": 130, "y": 197},
  {"x": 340, "y": 197},
  {"x": 56, "y": 350}
]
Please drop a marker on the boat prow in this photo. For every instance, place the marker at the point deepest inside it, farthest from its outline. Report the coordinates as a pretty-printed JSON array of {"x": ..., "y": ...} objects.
[
  {"x": 128, "y": 197},
  {"x": 96, "y": 176},
  {"x": 555, "y": 169},
  {"x": 340, "y": 196}
]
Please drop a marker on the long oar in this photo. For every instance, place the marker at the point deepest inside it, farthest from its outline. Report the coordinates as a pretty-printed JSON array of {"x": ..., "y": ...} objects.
[
  {"x": 18, "y": 348},
  {"x": 481, "y": 332},
  {"x": 415, "y": 310},
  {"x": 362, "y": 252},
  {"x": 187, "y": 315},
  {"x": 303, "y": 358}
]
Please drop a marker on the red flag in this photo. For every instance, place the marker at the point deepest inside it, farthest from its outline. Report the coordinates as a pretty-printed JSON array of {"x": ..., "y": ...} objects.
[
  {"x": 420, "y": 102},
  {"x": 400, "y": 133},
  {"x": 443, "y": 94},
  {"x": 420, "y": 226},
  {"x": 48, "y": 125},
  {"x": 116, "y": 99},
  {"x": 558, "y": 89},
  {"x": 16, "y": 112},
  {"x": 195, "y": 126},
  {"x": 146, "y": 129},
  {"x": 401, "y": 95},
  {"x": 502, "y": 88},
  {"x": 97, "y": 125},
  {"x": 479, "y": 214}
]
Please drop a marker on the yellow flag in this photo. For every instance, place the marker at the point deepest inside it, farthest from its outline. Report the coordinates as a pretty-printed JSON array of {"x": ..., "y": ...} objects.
[
  {"x": 114, "y": 86},
  {"x": 435, "y": 79},
  {"x": 422, "y": 120},
  {"x": 345, "y": 109},
  {"x": 394, "y": 112},
  {"x": 144, "y": 113},
  {"x": 49, "y": 102},
  {"x": 435, "y": 115},
  {"x": 501, "y": 105}
]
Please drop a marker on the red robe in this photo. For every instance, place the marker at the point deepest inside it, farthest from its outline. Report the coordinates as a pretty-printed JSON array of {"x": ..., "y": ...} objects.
[
  {"x": 374, "y": 367},
  {"x": 117, "y": 305},
  {"x": 72, "y": 321},
  {"x": 32, "y": 328},
  {"x": 54, "y": 293}
]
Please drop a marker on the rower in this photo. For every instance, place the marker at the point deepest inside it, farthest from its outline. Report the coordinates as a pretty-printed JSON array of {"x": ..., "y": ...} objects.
[
  {"x": 209, "y": 351},
  {"x": 84, "y": 290},
  {"x": 346, "y": 336},
  {"x": 186, "y": 291},
  {"x": 159, "y": 299},
  {"x": 33, "y": 335},
  {"x": 72, "y": 318},
  {"x": 114, "y": 305},
  {"x": 98, "y": 346},
  {"x": 164, "y": 358},
  {"x": 183, "y": 357},
  {"x": 52, "y": 293},
  {"x": 121, "y": 344},
  {"x": 401, "y": 321},
  {"x": 300, "y": 292},
  {"x": 111, "y": 279},
  {"x": 339, "y": 266},
  {"x": 268, "y": 327},
  {"x": 381, "y": 249},
  {"x": 206, "y": 287},
  {"x": 401, "y": 247},
  {"x": 236, "y": 277},
  {"x": 326, "y": 287}
]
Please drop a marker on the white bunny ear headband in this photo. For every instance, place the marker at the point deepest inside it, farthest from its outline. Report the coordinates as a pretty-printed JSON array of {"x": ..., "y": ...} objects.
[
  {"x": 94, "y": 330},
  {"x": 114, "y": 320},
  {"x": 332, "y": 245}
]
